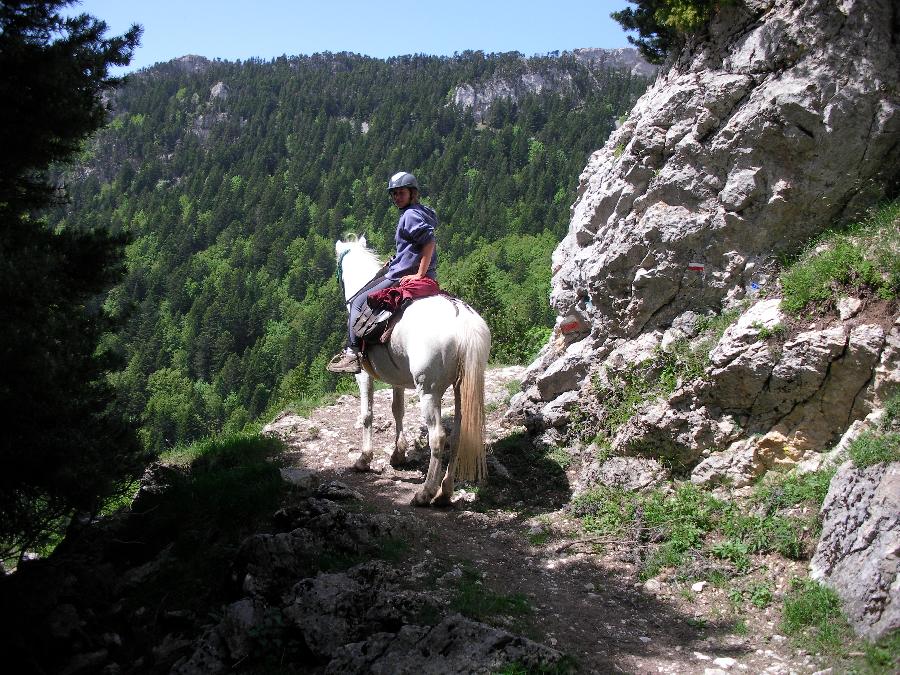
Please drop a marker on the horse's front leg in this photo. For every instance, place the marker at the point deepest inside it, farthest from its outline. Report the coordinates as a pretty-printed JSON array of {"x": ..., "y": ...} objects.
[
  {"x": 366, "y": 397},
  {"x": 431, "y": 414},
  {"x": 398, "y": 402}
]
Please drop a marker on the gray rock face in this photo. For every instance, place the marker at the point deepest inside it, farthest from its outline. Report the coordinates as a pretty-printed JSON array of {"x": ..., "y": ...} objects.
[
  {"x": 783, "y": 122},
  {"x": 456, "y": 646},
  {"x": 627, "y": 473},
  {"x": 363, "y": 620},
  {"x": 480, "y": 96},
  {"x": 627, "y": 58},
  {"x": 858, "y": 554}
]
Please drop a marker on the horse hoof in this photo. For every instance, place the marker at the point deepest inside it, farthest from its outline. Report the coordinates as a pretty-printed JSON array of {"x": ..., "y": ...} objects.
[
  {"x": 398, "y": 460},
  {"x": 361, "y": 465},
  {"x": 442, "y": 499},
  {"x": 421, "y": 498}
]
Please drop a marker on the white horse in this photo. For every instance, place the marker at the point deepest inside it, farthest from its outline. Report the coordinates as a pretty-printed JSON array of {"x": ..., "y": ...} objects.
[{"x": 438, "y": 342}]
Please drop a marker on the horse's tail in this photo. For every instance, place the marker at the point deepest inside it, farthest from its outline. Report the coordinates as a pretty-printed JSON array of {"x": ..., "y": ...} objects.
[{"x": 474, "y": 349}]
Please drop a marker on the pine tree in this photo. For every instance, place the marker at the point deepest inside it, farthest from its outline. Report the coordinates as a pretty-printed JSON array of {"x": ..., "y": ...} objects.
[{"x": 66, "y": 443}]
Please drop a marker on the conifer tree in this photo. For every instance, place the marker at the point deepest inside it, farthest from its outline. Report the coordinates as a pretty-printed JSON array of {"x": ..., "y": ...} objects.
[{"x": 65, "y": 444}]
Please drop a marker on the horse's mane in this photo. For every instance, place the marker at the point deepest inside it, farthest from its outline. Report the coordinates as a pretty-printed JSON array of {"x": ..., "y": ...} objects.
[{"x": 358, "y": 244}]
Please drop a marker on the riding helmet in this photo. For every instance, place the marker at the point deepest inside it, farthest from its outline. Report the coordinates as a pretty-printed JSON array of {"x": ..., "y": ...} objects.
[{"x": 402, "y": 179}]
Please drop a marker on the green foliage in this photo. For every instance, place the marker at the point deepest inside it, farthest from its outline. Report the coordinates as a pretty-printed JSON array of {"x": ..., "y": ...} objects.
[
  {"x": 677, "y": 529},
  {"x": 812, "y": 617},
  {"x": 561, "y": 457},
  {"x": 760, "y": 594},
  {"x": 231, "y": 480},
  {"x": 676, "y": 523},
  {"x": 883, "y": 656},
  {"x": 508, "y": 282},
  {"x": 872, "y": 448},
  {"x": 812, "y": 614},
  {"x": 564, "y": 666},
  {"x": 662, "y": 24},
  {"x": 211, "y": 495},
  {"x": 787, "y": 535},
  {"x": 229, "y": 290},
  {"x": 733, "y": 550},
  {"x": 865, "y": 257},
  {"x": 777, "y": 492},
  {"x": 67, "y": 444},
  {"x": 881, "y": 444}
]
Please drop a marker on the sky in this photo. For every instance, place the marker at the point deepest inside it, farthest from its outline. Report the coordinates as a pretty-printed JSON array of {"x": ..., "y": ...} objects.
[{"x": 237, "y": 30}]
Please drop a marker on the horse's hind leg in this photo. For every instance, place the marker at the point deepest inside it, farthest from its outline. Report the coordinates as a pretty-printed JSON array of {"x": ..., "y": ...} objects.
[
  {"x": 366, "y": 401},
  {"x": 446, "y": 493},
  {"x": 431, "y": 414},
  {"x": 398, "y": 457}
]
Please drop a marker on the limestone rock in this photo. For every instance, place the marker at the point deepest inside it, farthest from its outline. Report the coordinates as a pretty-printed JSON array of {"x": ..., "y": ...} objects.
[
  {"x": 738, "y": 152},
  {"x": 627, "y": 473},
  {"x": 331, "y": 610},
  {"x": 735, "y": 465},
  {"x": 858, "y": 554},
  {"x": 556, "y": 413},
  {"x": 219, "y": 90},
  {"x": 741, "y": 364},
  {"x": 456, "y": 646},
  {"x": 660, "y": 430}
]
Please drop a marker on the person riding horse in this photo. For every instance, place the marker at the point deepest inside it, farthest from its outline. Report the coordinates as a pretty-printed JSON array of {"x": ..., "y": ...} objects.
[{"x": 415, "y": 258}]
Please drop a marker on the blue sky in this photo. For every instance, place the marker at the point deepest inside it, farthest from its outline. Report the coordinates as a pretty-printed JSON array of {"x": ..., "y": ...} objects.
[{"x": 232, "y": 30}]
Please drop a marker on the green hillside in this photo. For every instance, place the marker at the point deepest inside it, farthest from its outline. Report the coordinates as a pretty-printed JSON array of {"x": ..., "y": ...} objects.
[{"x": 233, "y": 202}]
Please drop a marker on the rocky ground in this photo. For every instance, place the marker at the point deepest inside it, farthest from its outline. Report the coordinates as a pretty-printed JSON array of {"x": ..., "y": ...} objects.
[{"x": 514, "y": 537}]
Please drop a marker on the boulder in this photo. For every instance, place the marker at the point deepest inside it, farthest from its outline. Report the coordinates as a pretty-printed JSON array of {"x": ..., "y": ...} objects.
[
  {"x": 858, "y": 554},
  {"x": 627, "y": 473},
  {"x": 455, "y": 646}
]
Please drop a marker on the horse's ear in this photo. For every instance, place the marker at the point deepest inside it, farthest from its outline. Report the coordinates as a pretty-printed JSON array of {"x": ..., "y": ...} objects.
[
  {"x": 340, "y": 246},
  {"x": 362, "y": 240}
]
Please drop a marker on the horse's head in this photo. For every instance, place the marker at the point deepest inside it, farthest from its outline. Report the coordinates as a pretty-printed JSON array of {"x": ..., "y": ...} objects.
[
  {"x": 356, "y": 264},
  {"x": 344, "y": 245}
]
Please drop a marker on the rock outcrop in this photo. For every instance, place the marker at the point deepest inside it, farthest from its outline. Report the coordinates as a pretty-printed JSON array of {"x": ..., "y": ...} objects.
[
  {"x": 479, "y": 96},
  {"x": 362, "y": 620},
  {"x": 783, "y": 120},
  {"x": 627, "y": 58},
  {"x": 859, "y": 551}
]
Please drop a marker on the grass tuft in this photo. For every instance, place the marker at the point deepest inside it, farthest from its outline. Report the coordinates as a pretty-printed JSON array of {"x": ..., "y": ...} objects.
[
  {"x": 812, "y": 616},
  {"x": 872, "y": 448},
  {"x": 865, "y": 257}
]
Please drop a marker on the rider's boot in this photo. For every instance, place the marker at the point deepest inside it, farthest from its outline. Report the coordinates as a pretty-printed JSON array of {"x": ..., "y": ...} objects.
[{"x": 348, "y": 361}]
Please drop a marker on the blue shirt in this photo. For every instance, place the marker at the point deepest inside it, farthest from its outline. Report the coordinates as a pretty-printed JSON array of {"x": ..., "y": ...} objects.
[{"x": 414, "y": 230}]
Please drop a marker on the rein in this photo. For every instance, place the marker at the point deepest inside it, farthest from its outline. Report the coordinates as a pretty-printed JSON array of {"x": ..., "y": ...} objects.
[
  {"x": 379, "y": 275},
  {"x": 339, "y": 270}
]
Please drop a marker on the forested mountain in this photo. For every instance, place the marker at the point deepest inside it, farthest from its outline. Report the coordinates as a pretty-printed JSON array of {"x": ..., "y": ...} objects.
[{"x": 233, "y": 180}]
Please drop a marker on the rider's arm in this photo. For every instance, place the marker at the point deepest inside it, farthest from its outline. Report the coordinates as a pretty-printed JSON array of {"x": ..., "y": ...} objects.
[{"x": 425, "y": 260}]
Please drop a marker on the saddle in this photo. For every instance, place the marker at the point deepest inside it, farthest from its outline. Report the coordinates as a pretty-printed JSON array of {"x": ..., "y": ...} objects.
[{"x": 384, "y": 308}]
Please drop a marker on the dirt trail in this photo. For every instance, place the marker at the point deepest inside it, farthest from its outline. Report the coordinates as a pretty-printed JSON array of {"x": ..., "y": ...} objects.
[{"x": 515, "y": 533}]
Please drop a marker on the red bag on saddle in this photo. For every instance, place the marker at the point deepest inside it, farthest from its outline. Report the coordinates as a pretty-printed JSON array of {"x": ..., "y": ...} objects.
[{"x": 409, "y": 289}]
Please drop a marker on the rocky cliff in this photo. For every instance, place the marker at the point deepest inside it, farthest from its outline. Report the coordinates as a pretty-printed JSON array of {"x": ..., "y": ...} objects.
[
  {"x": 779, "y": 122},
  {"x": 784, "y": 121},
  {"x": 529, "y": 79}
]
